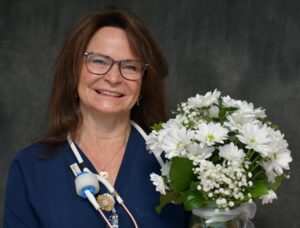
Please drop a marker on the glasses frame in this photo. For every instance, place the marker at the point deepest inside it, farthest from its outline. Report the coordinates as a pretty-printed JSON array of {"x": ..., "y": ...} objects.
[{"x": 144, "y": 65}]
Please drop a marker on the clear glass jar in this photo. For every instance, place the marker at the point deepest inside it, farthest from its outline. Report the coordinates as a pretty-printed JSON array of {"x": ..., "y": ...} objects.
[
  {"x": 209, "y": 217},
  {"x": 199, "y": 222}
]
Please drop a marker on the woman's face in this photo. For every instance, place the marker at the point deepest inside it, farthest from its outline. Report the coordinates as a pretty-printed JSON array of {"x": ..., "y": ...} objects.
[{"x": 109, "y": 94}]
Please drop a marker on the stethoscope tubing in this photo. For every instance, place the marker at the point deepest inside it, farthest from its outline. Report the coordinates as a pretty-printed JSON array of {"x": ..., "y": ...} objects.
[{"x": 105, "y": 182}]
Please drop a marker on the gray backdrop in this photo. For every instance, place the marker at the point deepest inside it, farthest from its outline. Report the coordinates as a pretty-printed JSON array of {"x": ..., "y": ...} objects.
[{"x": 247, "y": 49}]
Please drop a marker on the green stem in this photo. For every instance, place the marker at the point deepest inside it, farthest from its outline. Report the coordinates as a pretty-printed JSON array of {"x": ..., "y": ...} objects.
[
  {"x": 250, "y": 153},
  {"x": 258, "y": 174},
  {"x": 256, "y": 164}
]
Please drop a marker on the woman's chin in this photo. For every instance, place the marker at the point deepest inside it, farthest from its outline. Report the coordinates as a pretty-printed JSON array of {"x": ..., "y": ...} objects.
[{"x": 112, "y": 112}]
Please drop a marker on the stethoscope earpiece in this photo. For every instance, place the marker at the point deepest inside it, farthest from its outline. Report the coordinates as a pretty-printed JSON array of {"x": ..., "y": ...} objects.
[{"x": 86, "y": 181}]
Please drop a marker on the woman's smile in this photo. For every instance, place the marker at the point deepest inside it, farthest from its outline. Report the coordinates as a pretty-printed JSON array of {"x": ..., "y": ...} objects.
[{"x": 108, "y": 93}]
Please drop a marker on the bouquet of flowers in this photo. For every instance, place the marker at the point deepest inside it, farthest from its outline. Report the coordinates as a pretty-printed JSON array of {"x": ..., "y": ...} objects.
[{"x": 218, "y": 151}]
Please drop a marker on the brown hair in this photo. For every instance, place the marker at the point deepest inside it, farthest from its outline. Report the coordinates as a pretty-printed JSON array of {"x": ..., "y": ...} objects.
[{"x": 64, "y": 113}]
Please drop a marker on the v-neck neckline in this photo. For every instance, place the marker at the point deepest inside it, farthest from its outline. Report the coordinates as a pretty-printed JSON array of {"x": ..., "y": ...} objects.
[{"x": 125, "y": 166}]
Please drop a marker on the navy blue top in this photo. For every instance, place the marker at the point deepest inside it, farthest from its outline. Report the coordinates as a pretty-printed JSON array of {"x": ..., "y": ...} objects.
[{"x": 41, "y": 192}]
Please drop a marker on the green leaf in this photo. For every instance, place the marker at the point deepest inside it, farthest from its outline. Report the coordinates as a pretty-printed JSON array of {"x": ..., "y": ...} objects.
[
  {"x": 259, "y": 188},
  {"x": 165, "y": 199},
  {"x": 181, "y": 173},
  {"x": 274, "y": 186},
  {"x": 274, "y": 126},
  {"x": 224, "y": 111},
  {"x": 157, "y": 127},
  {"x": 191, "y": 199},
  {"x": 269, "y": 123},
  {"x": 208, "y": 118}
]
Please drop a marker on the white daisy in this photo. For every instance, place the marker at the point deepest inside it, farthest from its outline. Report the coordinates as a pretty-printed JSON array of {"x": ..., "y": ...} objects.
[
  {"x": 165, "y": 169},
  {"x": 269, "y": 197},
  {"x": 279, "y": 155},
  {"x": 176, "y": 122},
  {"x": 255, "y": 137},
  {"x": 271, "y": 175},
  {"x": 213, "y": 111},
  {"x": 229, "y": 102},
  {"x": 244, "y": 107},
  {"x": 208, "y": 99},
  {"x": 238, "y": 119},
  {"x": 198, "y": 152},
  {"x": 211, "y": 133},
  {"x": 175, "y": 141},
  {"x": 153, "y": 142},
  {"x": 159, "y": 183},
  {"x": 231, "y": 152}
]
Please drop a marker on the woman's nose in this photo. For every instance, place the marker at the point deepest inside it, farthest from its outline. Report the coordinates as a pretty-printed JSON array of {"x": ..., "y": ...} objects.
[{"x": 114, "y": 74}]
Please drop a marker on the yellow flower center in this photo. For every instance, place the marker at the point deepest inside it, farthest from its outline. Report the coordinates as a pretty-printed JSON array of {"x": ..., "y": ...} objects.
[
  {"x": 252, "y": 140},
  {"x": 210, "y": 138}
]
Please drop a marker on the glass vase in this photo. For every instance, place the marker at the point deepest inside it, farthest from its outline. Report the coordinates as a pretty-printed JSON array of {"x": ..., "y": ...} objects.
[
  {"x": 209, "y": 217},
  {"x": 200, "y": 222}
]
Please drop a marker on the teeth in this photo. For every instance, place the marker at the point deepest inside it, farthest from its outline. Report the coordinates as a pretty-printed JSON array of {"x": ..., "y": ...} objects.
[{"x": 109, "y": 93}]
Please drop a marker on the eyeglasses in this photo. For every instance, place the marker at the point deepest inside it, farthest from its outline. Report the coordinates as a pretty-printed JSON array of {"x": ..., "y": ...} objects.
[{"x": 100, "y": 64}]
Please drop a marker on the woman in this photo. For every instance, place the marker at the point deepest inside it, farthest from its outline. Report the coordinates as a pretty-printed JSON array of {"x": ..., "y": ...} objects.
[{"x": 109, "y": 72}]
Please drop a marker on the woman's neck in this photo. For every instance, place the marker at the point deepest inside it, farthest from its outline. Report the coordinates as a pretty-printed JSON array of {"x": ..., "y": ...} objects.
[
  {"x": 99, "y": 130},
  {"x": 103, "y": 140}
]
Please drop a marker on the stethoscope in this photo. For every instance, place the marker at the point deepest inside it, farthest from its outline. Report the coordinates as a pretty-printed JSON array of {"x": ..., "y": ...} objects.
[{"x": 87, "y": 185}]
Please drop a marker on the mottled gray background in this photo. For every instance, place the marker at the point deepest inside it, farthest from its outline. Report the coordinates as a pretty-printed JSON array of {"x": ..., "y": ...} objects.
[{"x": 247, "y": 49}]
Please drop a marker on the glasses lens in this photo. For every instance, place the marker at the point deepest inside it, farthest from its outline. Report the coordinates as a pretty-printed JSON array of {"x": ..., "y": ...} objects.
[
  {"x": 132, "y": 69},
  {"x": 98, "y": 64}
]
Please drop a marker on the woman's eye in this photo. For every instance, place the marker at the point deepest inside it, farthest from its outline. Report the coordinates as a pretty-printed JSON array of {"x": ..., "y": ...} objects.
[
  {"x": 130, "y": 68},
  {"x": 99, "y": 62}
]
